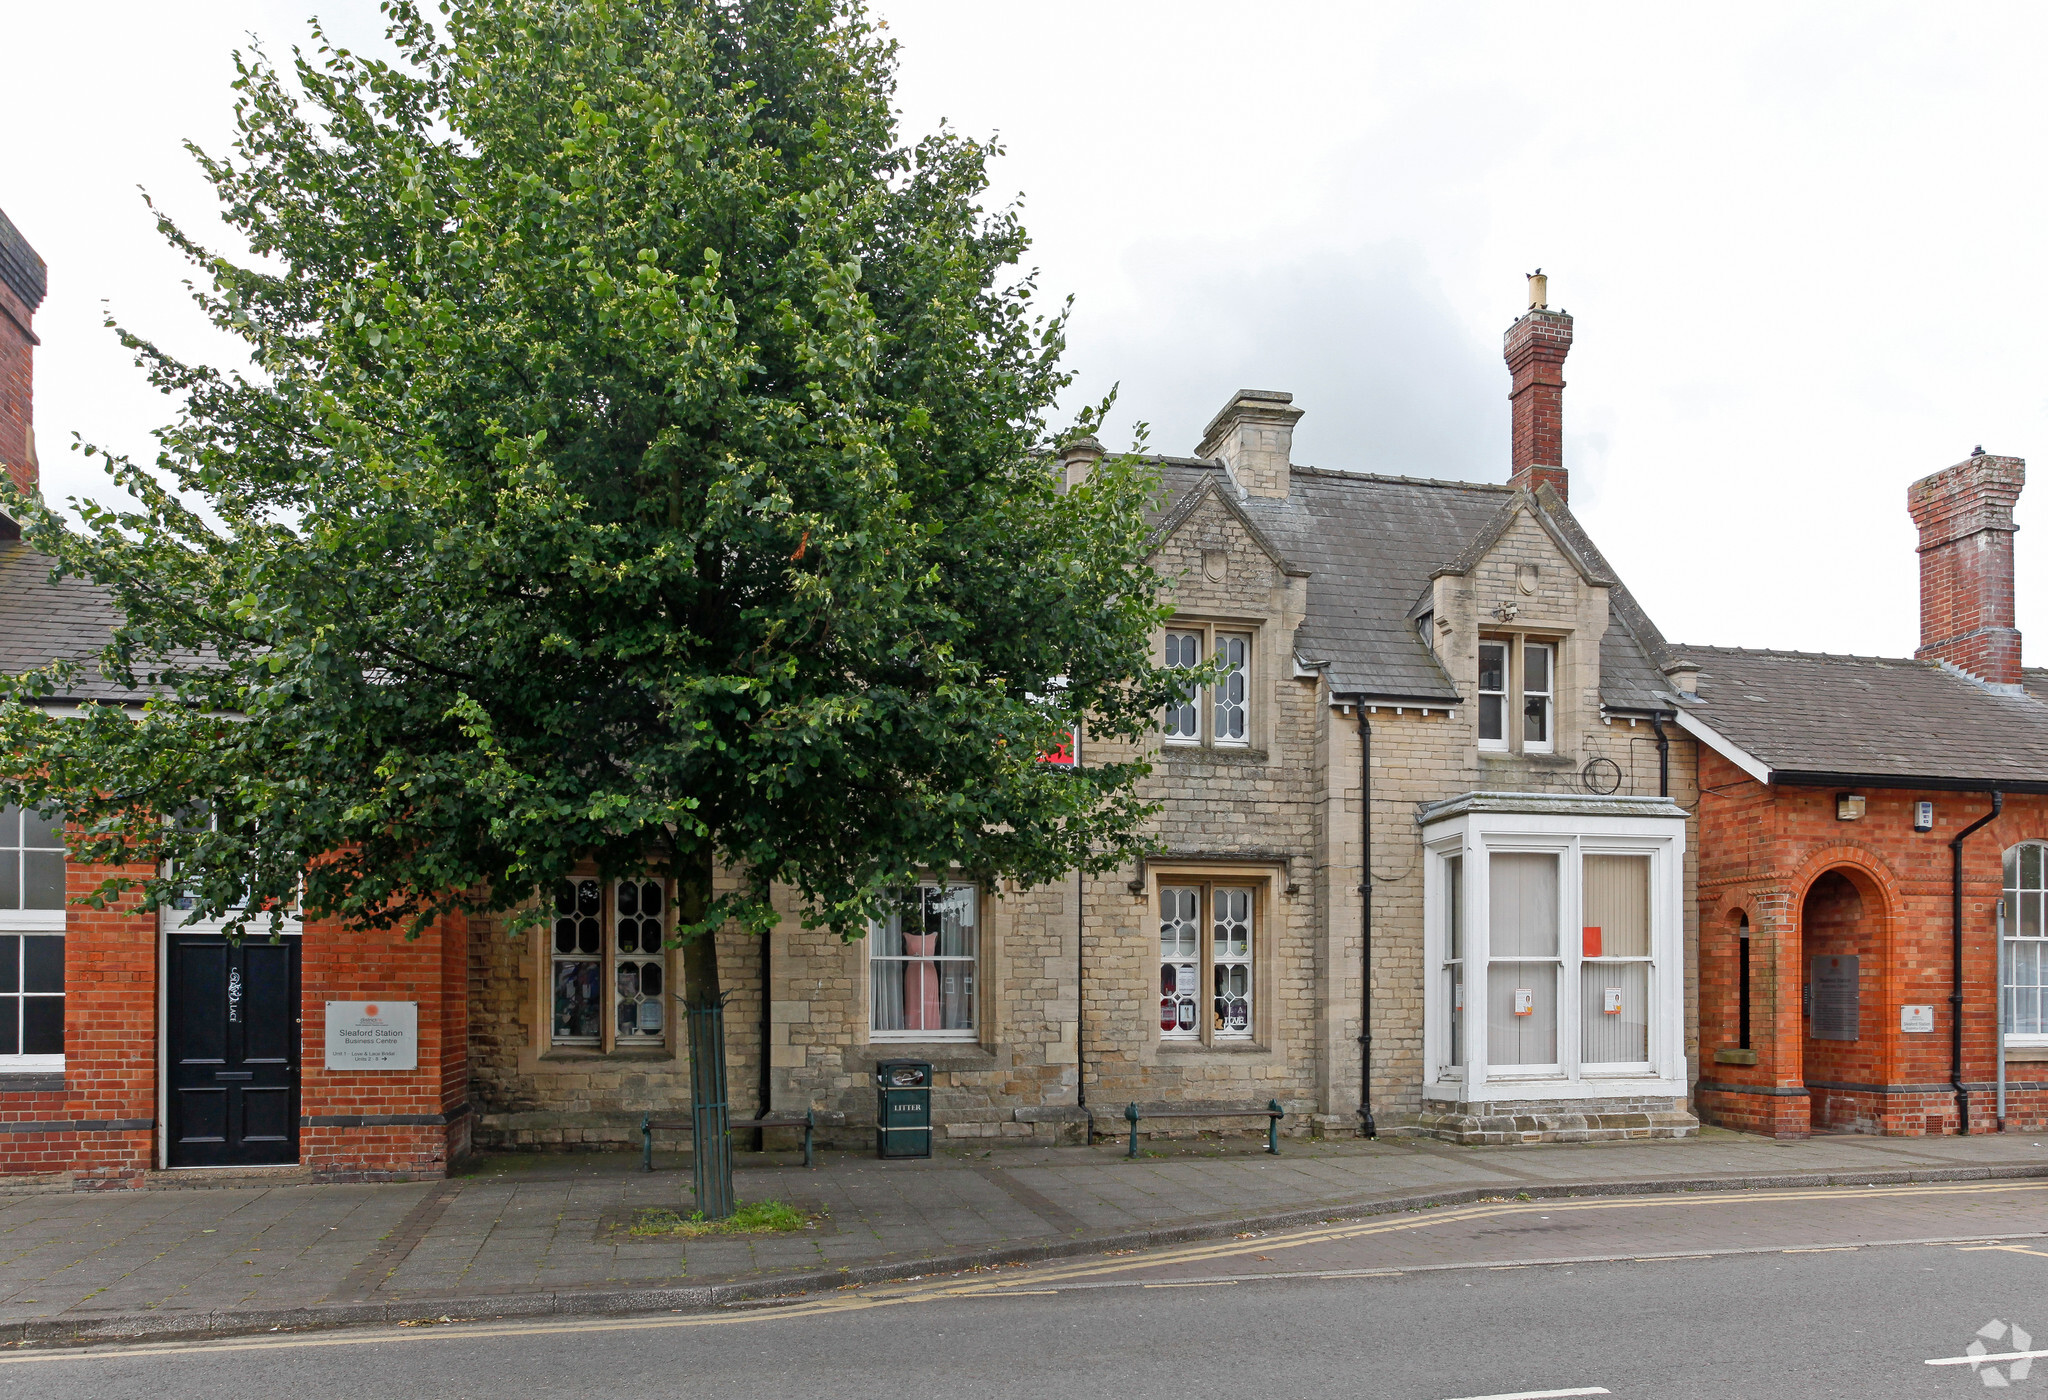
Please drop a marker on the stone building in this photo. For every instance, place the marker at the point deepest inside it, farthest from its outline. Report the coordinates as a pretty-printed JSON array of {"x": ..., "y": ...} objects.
[
  {"x": 1456, "y": 659},
  {"x": 1424, "y": 862},
  {"x": 1874, "y": 834}
]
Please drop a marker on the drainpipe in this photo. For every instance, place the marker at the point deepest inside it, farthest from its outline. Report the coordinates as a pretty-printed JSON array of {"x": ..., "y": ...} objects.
[
  {"x": 1081, "y": 1003},
  {"x": 1370, "y": 1129},
  {"x": 1955, "y": 999},
  {"x": 1663, "y": 755},
  {"x": 767, "y": 1015}
]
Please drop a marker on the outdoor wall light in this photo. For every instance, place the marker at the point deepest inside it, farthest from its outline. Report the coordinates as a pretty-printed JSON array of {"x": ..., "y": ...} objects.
[
  {"x": 1849, "y": 806},
  {"x": 1923, "y": 816}
]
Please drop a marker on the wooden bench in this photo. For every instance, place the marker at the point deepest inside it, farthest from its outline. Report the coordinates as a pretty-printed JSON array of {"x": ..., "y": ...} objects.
[
  {"x": 1272, "y": 1113},
  {"x": 649, "y": 1124}
]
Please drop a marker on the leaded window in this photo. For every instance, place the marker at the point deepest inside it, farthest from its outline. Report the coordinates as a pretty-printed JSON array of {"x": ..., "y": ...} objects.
[
  {"x": 2023, "y": 945},
  {"x": 1231, "y": 962},
  {"x": 1184, "y": 720},
  {"x": 638, "y": 983},
  {"x": 1224, "y": 979},
  {"x": 578, "y": 962},
  {"x": 1230, "y": 693},
  {"x": 922, "y": 965}
]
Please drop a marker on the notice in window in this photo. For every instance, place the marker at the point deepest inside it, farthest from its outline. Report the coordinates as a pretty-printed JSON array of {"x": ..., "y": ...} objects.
[
  {"x": 373, "y": 1035},
  {"x": 1837, "y": 1003}
]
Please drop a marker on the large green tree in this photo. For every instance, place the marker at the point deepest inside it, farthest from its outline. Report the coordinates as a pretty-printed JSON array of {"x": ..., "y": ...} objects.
[{"x": 644, "y": 457}]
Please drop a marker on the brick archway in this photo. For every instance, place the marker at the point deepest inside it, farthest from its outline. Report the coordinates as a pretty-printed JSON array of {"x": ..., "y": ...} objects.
[{"x": 1841, "y": 955}]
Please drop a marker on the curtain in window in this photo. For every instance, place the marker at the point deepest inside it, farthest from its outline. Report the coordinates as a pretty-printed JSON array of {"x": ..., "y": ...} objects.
[
  {"x": 1521, "y": 990},
  {"x": 921, "y": 962},
  {"x": 1614, "y": 978}
]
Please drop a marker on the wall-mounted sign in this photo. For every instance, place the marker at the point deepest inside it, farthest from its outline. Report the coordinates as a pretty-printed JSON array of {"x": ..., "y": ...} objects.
[
  {"x": 373, "y": 1035},
  {"x": 1919, "y": 1020}
]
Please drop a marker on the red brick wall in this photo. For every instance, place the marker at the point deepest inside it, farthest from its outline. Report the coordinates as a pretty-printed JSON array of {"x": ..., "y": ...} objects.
[
  {"x": 16, "y": 388},
  {"x": 350, "y": 1133},
  {"x": 1535, "y": 349},
  {"x": 1964, "y": 515},
  {"x": 1768, "y": 853}
]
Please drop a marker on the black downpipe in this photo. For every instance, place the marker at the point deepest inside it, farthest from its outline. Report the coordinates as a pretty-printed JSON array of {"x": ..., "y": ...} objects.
[
  {"x": 767, "y": 1014},
  {"x": 1663, "y": 756},
  {"x": 1081, "y": 1002},
  {"x": 1370, "y": 1128},
  {"x": 1955, "y": 999}
]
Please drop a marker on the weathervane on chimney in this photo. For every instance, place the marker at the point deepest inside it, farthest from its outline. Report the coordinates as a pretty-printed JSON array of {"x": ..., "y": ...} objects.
[{"x": 1539, "y": 291}]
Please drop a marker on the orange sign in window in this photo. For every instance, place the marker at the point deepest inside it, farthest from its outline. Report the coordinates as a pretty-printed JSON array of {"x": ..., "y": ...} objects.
[{"x": 1591, "y": 944}]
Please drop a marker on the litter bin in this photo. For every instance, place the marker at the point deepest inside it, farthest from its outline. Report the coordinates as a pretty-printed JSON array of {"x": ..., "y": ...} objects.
[{"x": 903, "y": 1109}]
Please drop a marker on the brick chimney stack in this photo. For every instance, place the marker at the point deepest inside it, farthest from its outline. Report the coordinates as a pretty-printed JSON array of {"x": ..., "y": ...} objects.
[
  {"x": 1254, "y": 437},
  {"x": 1966, "y": 589},
  {"x": 22, "y": 282},
  {"x": 1535, "y": 348}
]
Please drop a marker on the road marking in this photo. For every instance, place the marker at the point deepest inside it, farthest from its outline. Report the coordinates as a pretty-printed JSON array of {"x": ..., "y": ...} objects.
[
  {"x": 1988, "y": 1356},
  {"x": 839, "y": 1304},
  {"x": 2005, "y": 1248},
  {"x": 1822, "y": 1249},
  {"x": 1191, "y": 1283},
  {"x": 1542, "y": 1394}
]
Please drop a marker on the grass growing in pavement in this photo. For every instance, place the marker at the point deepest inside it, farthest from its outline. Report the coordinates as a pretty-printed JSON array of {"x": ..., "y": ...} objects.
[{"x": 753, "y": 1218}]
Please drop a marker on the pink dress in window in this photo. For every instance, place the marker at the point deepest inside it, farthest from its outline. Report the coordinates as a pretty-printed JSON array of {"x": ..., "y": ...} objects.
[{"x": 920, "y": 983}]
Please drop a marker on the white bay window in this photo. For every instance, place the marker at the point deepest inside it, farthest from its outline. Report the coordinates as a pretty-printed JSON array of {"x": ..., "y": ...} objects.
[{"x": 1557, "y": 924}]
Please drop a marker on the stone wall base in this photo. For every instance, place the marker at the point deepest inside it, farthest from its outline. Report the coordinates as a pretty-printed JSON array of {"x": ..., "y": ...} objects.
[{"x": 1557, "y": 1120}]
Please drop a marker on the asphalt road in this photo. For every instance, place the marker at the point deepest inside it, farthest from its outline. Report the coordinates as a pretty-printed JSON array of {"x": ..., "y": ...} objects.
[{"x": 1843, "y": 1292}]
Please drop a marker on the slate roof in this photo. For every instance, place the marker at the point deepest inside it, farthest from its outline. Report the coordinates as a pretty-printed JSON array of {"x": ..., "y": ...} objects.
[
  {"x": 1814, "y": 717},
  {"x": 1371, "y": 544},
  {"x": 41, "y": 622}
]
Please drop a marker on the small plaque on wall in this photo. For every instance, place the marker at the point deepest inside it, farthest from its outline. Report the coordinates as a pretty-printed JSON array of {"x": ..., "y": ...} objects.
[
  {"x": 1837, "y": 998},
  {"x": 1916, "y": 1020},
  {"x": 373, "y": 1035}
]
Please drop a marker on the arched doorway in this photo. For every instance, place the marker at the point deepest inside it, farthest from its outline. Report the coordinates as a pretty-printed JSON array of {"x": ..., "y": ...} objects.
[{"x": 1841, "y": 929}]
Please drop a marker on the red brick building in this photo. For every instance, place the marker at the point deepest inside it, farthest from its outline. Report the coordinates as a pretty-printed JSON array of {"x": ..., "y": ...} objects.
[
  {"x": 1873, "y": 833},
  {"x": 130, "y": 1043}
]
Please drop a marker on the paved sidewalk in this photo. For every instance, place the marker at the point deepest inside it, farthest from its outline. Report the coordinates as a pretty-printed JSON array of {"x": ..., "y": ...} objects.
[{"x": 521, "y": 1235}]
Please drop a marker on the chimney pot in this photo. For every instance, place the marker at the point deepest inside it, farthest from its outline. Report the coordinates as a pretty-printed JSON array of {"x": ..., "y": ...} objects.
[
  {"x": 1254, "y": 438},
  {"x": 1964, "y": 515}
]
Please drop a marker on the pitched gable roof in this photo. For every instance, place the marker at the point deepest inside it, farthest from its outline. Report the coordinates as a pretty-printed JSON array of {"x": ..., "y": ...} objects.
[
  {"x": 42, "y": 622},
  {"x": 1371, "y": 544},
  {"x": 1805, "y": 717}
]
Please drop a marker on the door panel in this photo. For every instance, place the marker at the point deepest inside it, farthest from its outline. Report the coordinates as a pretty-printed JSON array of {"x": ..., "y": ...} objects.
[{"x": 233, "y": 1051}]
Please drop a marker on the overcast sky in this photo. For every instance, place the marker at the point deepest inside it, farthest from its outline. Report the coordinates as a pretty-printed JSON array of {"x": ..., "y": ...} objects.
[{"x": 1801, "y": 244}]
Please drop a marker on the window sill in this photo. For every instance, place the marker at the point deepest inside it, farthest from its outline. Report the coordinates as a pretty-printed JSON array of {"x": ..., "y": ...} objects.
[
  {"x": 1202, "y": 753},
  {"x": 560, "y": 1053},
  {"x": 2025, "y": 1054},
  {"x": 942, "y": 1055},
  {"x": 31, "y": 1081},
  {"x": 1540, "y": 760},
  {"x": 1220, "y": 1047}
]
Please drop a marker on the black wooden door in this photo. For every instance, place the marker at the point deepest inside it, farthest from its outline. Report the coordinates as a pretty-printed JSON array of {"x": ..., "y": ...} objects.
[{"x": 234, "y": 1051}]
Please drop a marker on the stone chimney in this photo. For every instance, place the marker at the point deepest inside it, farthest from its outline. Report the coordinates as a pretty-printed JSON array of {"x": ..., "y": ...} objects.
[
  {"x": 1078, "y": 461},
  {"x": 1966, "y": 597},
  {"x": 1254, "y": 436},
  {"x": 1535, "y": 348},
  {"x": 22, "y": 280}
]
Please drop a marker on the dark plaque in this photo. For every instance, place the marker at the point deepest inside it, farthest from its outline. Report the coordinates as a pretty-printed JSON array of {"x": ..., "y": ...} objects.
[{"x": 1837, "y": 1003}]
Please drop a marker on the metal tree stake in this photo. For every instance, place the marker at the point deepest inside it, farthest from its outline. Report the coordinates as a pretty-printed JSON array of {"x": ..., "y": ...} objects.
[{"x": 710, "y": 1113}]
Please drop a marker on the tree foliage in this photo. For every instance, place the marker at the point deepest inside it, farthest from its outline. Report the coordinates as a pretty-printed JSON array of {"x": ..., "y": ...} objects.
[{"x": 645, "y": 459}]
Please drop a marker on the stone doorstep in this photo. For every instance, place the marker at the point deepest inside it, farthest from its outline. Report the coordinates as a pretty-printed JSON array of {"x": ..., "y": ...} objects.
[{"x": 706, "y": 1297}]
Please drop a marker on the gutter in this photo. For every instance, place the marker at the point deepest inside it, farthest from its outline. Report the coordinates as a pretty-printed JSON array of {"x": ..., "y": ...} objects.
[{"x": 1955, "y": 999}]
